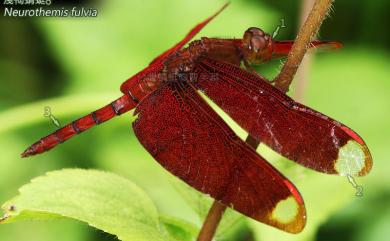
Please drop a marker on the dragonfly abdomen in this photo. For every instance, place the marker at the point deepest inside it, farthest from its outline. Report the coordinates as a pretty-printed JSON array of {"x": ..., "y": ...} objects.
[{"x": 117, "y": 107}]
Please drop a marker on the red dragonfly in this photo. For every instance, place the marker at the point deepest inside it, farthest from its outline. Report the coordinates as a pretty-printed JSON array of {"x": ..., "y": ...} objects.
[{"x": 186, "y": 136}]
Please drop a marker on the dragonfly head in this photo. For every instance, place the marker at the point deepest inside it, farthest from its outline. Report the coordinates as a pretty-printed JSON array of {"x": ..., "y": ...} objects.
[{"x": 257, "y": 46}]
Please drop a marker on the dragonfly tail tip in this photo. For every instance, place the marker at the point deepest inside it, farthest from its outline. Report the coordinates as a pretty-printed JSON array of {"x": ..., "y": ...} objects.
[{"x": 28, "y": 152}]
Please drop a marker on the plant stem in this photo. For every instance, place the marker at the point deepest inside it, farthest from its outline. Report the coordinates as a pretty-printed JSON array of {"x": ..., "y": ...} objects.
[
  {"x": 212, "y": 220},
  {"x": 282, "y": 82},
  {"x": 302, "y": 76},
  {"x": 298, "y": 50}
]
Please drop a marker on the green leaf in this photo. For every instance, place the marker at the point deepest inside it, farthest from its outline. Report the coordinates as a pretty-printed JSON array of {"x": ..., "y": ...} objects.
[
  {"x": 103, "y": 200},
  {"x": 179, "y": 229}
]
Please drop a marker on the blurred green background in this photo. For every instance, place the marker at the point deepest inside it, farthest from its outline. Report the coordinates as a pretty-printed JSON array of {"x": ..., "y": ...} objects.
[{"x": 76, "y": 65}]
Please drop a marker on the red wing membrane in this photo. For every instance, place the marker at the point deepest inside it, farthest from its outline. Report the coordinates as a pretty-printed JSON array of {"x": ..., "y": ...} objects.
[
  {"x": 281, "y": 48},
  {"x": 156, "y": 65},
  {"x": 292, "y": 129},
  {"x": 191, "y": 141},
  {"x": 188, "y": 37}
]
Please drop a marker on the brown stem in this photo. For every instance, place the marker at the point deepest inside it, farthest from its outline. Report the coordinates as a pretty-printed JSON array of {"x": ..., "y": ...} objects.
[
  {"x": 298, "y": 50},
  {"x": 282, "y": 81},
  {"x": 212, "y": 220},
  {"x": 302, "y": 76}
]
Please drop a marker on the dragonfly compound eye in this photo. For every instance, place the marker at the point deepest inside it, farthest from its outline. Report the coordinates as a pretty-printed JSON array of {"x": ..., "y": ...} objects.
[
  {"x": 257, "y": 46},
  {"x": 257, "y": 43}
]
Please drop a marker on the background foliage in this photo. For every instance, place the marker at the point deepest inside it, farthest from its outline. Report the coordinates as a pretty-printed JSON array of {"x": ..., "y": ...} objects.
[{"x": 76, "y": 65}]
